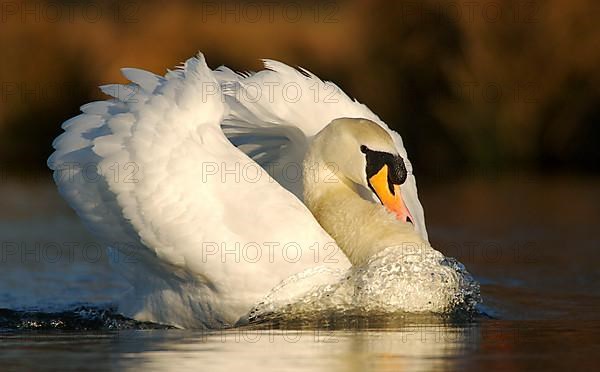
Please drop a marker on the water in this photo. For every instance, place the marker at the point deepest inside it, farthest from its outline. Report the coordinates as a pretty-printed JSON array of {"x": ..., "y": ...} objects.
[
  {"x": 409, "y": 279},
  {"x": 532, "y": 243}
]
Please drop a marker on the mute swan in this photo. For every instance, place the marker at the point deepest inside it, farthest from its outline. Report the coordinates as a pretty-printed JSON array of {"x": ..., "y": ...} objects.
[{"x": 194, "y": 183}]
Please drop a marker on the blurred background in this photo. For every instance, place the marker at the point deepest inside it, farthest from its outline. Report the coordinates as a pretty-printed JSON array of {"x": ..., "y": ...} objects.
[
  {"x": 498, "y": 103},
  {"x": 472, "y": 86}
]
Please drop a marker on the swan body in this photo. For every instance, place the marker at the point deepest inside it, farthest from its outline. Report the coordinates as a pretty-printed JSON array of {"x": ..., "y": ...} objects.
[{"x": 196, "y": 186}]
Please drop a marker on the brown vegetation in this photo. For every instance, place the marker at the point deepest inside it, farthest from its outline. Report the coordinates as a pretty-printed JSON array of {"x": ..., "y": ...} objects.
[{"x": 469, "y": 84}]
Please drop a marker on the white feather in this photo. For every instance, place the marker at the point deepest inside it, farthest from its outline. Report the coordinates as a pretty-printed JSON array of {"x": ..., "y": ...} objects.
[
  {"x": 154, "y": 176},
  {"x": 277, "y": 112}
]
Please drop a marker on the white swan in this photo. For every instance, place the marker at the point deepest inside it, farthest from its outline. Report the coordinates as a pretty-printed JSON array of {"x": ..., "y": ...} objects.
[{"x": 189, "y": 179}]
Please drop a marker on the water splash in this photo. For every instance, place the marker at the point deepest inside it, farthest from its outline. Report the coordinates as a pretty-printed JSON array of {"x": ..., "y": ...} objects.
[
  {"x": 396, "y": 280},
  {"x": 81, "y": 318}
]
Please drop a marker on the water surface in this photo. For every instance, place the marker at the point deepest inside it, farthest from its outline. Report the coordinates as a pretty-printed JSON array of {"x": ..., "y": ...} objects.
[{"x": 533, "y": 243}]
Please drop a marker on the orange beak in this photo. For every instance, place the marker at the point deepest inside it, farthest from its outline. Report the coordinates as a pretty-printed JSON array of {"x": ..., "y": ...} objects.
[{"x": 389, "y": 194}]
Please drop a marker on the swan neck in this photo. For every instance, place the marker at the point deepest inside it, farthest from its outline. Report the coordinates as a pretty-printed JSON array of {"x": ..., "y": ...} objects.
[{"x": 361, "y": 228}]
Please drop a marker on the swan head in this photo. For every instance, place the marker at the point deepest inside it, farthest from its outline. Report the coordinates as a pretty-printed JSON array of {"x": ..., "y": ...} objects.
[
  {"x": 353, "y": 177},
  {"x": 362, "y": 155}
]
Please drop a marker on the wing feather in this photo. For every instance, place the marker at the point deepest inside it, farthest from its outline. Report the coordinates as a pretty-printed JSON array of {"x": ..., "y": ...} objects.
[
  {"x": 292, "y": 105},
  {"x": 153, "y": 173}
]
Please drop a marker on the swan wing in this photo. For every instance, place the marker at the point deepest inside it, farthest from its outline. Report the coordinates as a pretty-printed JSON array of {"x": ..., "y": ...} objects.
[
  {"x": 275, "y": 112},
  {"x": 199, "y": 228}
]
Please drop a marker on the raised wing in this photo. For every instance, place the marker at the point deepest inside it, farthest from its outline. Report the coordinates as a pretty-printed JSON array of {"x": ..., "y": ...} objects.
[
  {"x": 274, "y": 114},
  {"x": 200, "y": 230}
]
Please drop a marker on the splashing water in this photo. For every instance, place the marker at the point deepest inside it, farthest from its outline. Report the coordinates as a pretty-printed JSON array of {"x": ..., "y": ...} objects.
[
  {"x": 80, "y": 318},
  {"x": 396, "y": 280}
]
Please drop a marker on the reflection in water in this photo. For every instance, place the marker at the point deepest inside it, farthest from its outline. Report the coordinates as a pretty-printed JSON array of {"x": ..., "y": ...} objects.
[
  {"x": 344, "y": 344},
  {"x": 418, "y": 346},
  {"x": 484, "y": 345}
]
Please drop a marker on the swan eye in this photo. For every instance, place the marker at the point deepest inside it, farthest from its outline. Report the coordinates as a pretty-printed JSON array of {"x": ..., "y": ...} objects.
[{"x": 376, "y": 160}]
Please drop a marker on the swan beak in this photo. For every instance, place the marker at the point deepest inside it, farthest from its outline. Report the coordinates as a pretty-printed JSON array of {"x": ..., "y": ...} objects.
[{"x": 389, "y": 194}]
